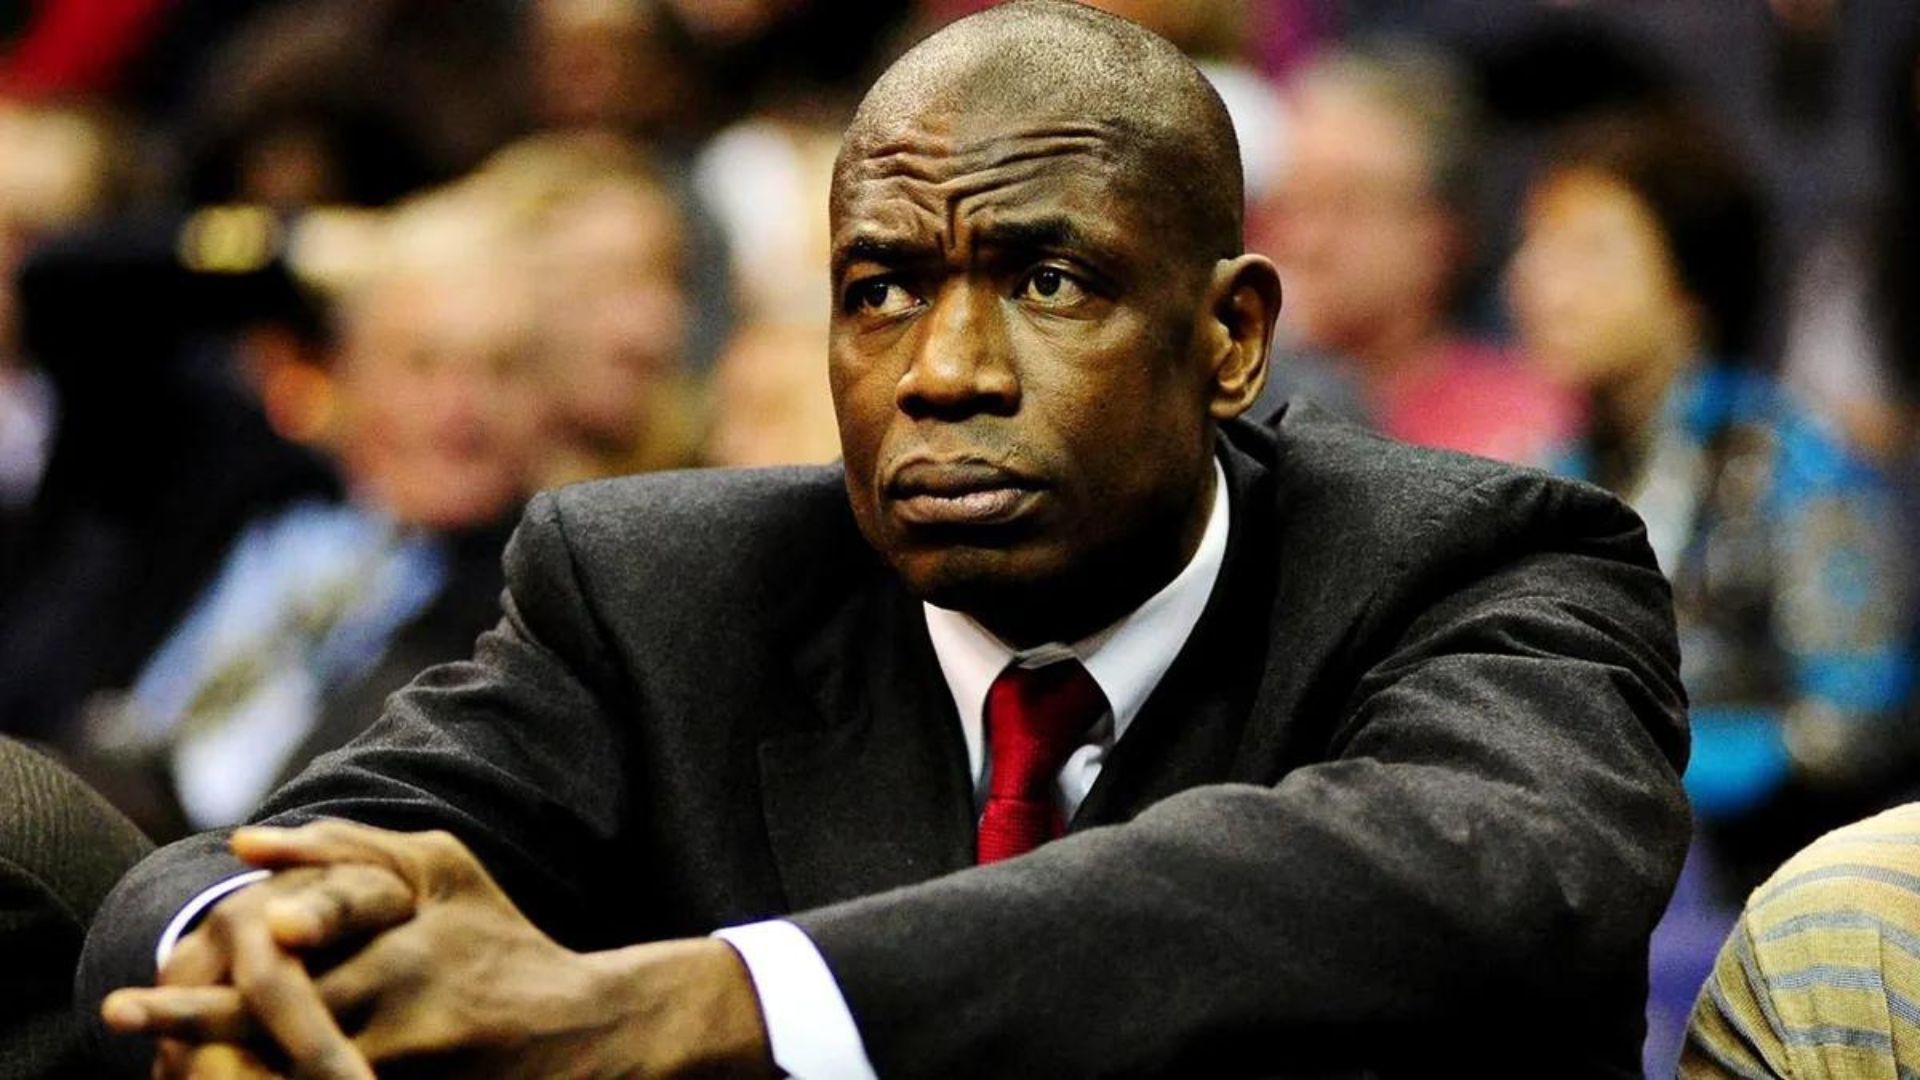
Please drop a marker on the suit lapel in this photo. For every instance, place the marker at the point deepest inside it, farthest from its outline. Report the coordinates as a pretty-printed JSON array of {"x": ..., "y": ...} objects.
[
  {"x": 872, "y": 791},
  {"x": 1192, "y": 725}
]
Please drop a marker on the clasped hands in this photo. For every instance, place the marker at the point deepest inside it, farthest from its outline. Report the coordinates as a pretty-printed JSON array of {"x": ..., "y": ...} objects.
[{"x": 439, "y": 966}]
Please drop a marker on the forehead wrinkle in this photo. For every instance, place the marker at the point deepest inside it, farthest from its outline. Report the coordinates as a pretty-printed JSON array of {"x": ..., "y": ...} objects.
[
  {"x": 887, "y": 220},
  {"x": 991, "y": 217},
  {"x": 930, "y": 152},
  {"x": 933, "y": 173}
]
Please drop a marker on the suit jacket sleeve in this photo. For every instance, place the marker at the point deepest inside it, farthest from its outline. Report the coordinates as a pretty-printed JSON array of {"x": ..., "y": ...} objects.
[
  {"x": 1493, "y": 830},
  {"x": 511, "y": 751}
]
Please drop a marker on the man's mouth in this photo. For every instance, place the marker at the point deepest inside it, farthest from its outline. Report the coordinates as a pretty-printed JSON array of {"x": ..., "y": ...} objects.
[{"x": 959, "y": 493}]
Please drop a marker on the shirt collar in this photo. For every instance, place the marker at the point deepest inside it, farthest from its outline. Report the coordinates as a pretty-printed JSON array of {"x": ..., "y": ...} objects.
[{"x": 1127, "y": 658}]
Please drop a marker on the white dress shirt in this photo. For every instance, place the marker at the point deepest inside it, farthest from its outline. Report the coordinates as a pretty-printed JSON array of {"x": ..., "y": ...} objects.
[{"x": 810, "y": 1029}]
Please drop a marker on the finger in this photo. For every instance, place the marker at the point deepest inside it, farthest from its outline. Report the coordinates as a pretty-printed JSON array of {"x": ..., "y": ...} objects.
[
  {"x": 285, "y": 1002},
  {"x": 193, "y": 1013},
  {"x": 195, "y": 961},
  {"x": 431, "y": 862},
  {"x": 203, "y": 957},
  {"x": 344, "y": 902},
  {"x": 391, "y": 960},
  {"x": 318, "y": 843}
]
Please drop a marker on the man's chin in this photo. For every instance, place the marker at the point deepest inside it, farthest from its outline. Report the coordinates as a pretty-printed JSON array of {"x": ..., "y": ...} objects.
[{"x": 974, "y": 580}]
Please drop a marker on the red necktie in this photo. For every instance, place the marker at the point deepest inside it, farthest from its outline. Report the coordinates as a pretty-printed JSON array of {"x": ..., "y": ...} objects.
[{"x": 1036, "y": 718}]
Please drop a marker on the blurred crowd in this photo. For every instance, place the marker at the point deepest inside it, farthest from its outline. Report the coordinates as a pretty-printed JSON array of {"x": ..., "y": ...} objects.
[{"x": 301, "y": 299}]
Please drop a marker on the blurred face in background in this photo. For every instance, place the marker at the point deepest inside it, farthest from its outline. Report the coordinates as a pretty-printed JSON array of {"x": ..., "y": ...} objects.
[
  {"x": 440, "y": 409},
  {"x": 613, "y": 311},
  {"x": 1594, "y": 291},
  {"x": 772, "y": 405},
  {"x": 1359, "y": 236}
]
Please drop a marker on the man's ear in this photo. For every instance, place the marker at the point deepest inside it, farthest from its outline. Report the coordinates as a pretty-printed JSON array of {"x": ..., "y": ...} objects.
[{"x": 1243, "y": 302}]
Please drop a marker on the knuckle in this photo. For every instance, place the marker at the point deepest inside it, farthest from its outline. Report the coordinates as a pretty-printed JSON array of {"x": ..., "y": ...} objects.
[
  {"x": 287, "y": 882},
  {"x": 442, "y": 844},
  {"x": 407, "y": 953},
  {"x": 332, "y": 906},
  {"x": 364, "y": 877},
  {"x": 369, "y": 890}
]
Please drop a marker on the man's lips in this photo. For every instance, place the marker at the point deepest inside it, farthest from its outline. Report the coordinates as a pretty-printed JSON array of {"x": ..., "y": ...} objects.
[{"x": 959, "y": 493}]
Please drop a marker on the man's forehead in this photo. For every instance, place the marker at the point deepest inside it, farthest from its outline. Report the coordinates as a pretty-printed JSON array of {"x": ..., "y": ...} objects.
[{"x": 935, "y": 160}]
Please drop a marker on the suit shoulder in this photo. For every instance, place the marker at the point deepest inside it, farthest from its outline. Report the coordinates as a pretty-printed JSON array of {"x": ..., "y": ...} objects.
[
  {"x": 702, "y": 513},
  {"x": 1373, "y": 491},
  {"x": 731, "y": 540}
]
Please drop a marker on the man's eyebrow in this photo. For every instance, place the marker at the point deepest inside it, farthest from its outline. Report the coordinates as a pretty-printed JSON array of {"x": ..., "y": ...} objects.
[
  {"x": 1034, "y": 234},
  {"x": 1052, "y": 232},
  {"x": 885, "y": 250}
]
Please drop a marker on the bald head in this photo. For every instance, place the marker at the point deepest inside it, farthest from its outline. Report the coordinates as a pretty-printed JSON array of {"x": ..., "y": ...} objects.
[{"x": 1062, "y": 63}]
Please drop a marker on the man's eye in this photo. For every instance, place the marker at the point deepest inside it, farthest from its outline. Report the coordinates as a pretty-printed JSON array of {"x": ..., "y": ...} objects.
[
  {"x": 1051, "y": 286},
  {"x": 880, "y": 296}
]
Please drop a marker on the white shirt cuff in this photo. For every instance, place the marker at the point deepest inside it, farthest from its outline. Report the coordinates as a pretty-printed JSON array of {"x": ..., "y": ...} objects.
[
  {"x": 197, "y": 907},
  {"x": 809, "y": 1027}
]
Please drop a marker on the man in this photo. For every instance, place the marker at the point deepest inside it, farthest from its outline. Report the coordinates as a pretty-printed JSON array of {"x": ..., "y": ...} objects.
[{"x": 1366, "y": 757}]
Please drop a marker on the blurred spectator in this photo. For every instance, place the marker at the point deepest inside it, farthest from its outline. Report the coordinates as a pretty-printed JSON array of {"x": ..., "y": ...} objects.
[
  {"x": 1639, "y": 280},
  {"x": 321, "y": 608},
  {"x": 771, "y": 403},
  {"x": 606, "y": 244},
  {"x": 1371, "y": 227},
  {"x": 161, "y": 450}
]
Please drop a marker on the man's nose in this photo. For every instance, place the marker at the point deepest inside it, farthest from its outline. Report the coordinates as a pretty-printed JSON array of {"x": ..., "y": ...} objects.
[{"x": 960, "y": 364}]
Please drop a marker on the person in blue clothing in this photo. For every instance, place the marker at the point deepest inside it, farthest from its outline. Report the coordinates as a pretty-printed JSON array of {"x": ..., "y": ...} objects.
[{"x": 1638, "y": 279}]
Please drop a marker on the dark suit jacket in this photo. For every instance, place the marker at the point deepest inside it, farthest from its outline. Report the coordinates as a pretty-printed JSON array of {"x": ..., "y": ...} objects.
[
  {"x": 1407, "y": 800},
  {"x": 61, "y": 848}
]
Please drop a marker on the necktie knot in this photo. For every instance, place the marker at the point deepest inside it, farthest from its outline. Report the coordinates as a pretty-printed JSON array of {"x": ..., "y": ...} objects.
[{"x": 1035, "y": 719}]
